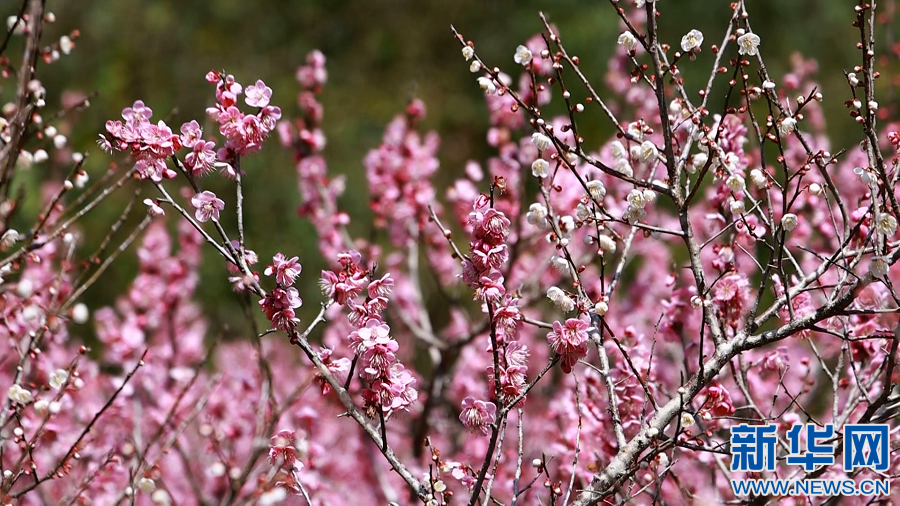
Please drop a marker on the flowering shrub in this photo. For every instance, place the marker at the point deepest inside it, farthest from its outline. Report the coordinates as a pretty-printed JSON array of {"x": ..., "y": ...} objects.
[{"x": 613, "y": 306}]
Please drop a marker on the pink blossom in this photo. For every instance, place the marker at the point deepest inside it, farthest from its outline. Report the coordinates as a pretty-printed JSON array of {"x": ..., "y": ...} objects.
[
  {"x": 285, "y": 270},
  {"x": 137, "y": 113},
  {"x": 207, "y": 205},
  {"x": 201, "y": 160},
  {"x": 190, "y": 133},
  {"x": 257, "y": 95},
  {"x": 569, "y": 340},
  {"x": 477, "y": 416},
  {"x": 282, "y": 451},
  {"x": 491, "y": 288}
]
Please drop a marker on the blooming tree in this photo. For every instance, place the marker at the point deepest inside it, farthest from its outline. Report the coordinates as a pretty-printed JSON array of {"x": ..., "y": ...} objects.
[{"x": 613, "y": 306}]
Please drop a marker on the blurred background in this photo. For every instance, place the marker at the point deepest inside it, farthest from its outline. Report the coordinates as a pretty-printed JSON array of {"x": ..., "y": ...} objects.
[{"x": 379, "y": 52}]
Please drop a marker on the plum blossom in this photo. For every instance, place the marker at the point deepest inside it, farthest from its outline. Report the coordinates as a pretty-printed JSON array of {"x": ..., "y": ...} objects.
[
  {"x": 596, "y": 190},
  {"x": 541, "y": 141},
  {"x": 523, "y": 55},
  {"x": 787, "y": 126},
  {"x": 207, "y": 206},
  {"x": 285, "y": 270},
  {"x": 477, "y": 416},
  {"x": 540, "y": 168},
  {"x": 202, "y": 158},
  {"x": 758, "y": 178},
  {"x": 569, "y": 341},
  {"x": 789, "y": 222},
  {"x": 560, "y": 299},
  {"x": 691, "y": 40},
  {"x": 886, "y": 224},
  {"x": 58, "y": 378},
  {"x": 748, "y": 44},
  {"x": 627, "y": 40},
  {"x": 487, "y": 85},
  {"x": 19, "y": 395},
  {"x": 647, "y": 152},
  {"x": 879, "y": 266},
  {"x": 257, "y": 95}
]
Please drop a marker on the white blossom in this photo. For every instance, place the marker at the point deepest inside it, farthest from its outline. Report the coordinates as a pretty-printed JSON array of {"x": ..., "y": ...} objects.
[
  {"x": 601, "y": 307},
  {"x": 537, "y": 216},
  {"x": 596, "y": 190},
  {"x": 146, "y": 485},
  {"x": 560, "y": 299},
  {"x": 80, "y": 313},
  {"x": 560, "y": 265},
  {"x": 878, "y": 266},
  {"x": 736, "y": 206},
  {"x": 789, "y": 221},
  {"x": 636, "y": 130},
  {"x": 20, "y": 27},
  {"x": 627, "y": 40},
  {"x": 748, "y": 44},
  {"x": 32, "y": 312},
  {"x": 768, "y": 84},
  {"x": 851, "y": 78},
  {"x": 475, "y": 66},
  {"x": 618, "y": 151},
  {"x": 758, "y": 178},
  {"x": 65, "y": 44},
  {"x": 648, "y": 152},
  {"x": 787, "y": 126},
  {"x": 692, "y": 40},
  {"x": 58, "y": 378},
  {"x": 636, "y": 198},
  {"x": 582, "y": 212},
  {"x": 163, "y": 498},
  {"x": 735, "y": 183},
  {"x": 886, "y": 224},
  {"x": 523, "y": 55},
  {"x": 864, "y": 175},
  {"x": 541, "y": 141},
  {"x": 540, "y": 168},
  {"x": 25, "y": 159},
  {"x": 18, "y": 394},
  {"x": 487, "y": 85},
  {"x": 687, "y": 419},
  {"x": 663, "y": 460},
  {"x": 566, "y": 226},
  {"x": 697, "y": 161},
  {"x": 816, "y": 189},
  {"x": 634, "y": 214},
  {"x": 25, "y": 288},
  {"x": 730, "y": 162},
  {"x": 624, "y": 167},
  {"x": 468, "y": 52},
  {"x": 81, "y": 179},
  {"x": 607, "y": 244},
  {"x": 9, "y": 238}
]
